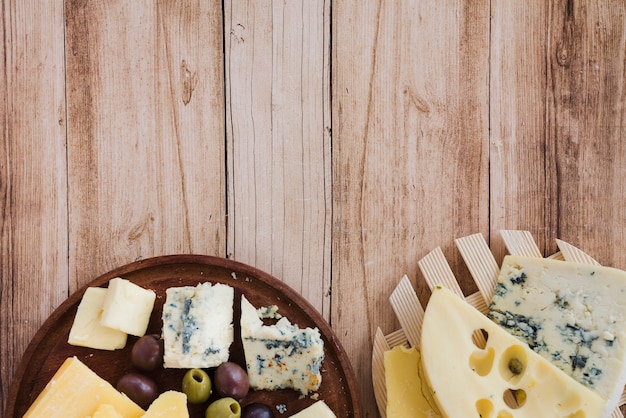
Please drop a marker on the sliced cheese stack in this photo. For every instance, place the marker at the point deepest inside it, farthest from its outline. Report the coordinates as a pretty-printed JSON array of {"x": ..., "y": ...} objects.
[
  {"x": 468, "y": 380},
  {"x": 87, "y": 329},
  {"x": 75, "y": 391},
  {"x": 105, "y": 317},
  {"x": 408, "y": 394},
  {"x": 574, "y": 315}
]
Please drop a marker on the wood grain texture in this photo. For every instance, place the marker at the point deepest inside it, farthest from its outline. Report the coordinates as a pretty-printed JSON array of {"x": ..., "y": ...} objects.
[
  {"x": 33, "y": 214},
  {"x": 278, "y": 135},
  {"x": 410, "y": 167},
  {"x": 135, "y": 129},
  {"x": 557, "y": 111},
  {"x": 145, "y": 132}
]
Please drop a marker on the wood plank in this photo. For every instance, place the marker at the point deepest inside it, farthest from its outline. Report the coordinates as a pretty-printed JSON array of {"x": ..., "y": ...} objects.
[
  {"x": 145, "y": 132},
  {"x": 517, "y": 110},
  {"x": 278, "y": 133},
  {"x": 557, "y": 94},
  {"x": 586, "y": 127},
  {"x": 33, "y": 212},
  {"x": 409, "y": 98}
]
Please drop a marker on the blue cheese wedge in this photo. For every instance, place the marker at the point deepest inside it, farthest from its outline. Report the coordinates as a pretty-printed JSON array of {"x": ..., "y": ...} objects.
[
  {"x": 197, "y": 325},
  {"x": 574, "y": 315},
  {"x": 280, "y": 356}
]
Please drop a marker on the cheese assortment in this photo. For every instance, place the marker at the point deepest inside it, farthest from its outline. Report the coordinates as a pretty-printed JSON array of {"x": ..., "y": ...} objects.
[
  {"x": 572, "y": 314},
  {"x": 467, "y": 380},
  {"x": 541, "y": 337},
  {"x": 282, "y": 355},
  {"x": 198, "y": 325},
  {"x": 197, "y": 332}
]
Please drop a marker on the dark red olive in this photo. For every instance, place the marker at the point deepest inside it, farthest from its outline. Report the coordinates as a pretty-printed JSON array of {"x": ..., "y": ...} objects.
[
  {"x": 147, "y": 352},
  {"x": 257, "y": 410},
  {"x": 139, "y": 388},
  {"x": 231, "y": 380}
]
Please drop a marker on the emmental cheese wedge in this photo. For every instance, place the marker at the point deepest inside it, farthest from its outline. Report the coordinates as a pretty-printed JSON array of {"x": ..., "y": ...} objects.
[
  {"x": 574, "y": 315},
  {"x": 471, "y": 381},
  {"x": 76, "y": 391},
  {"x": 407, "y": 396}
]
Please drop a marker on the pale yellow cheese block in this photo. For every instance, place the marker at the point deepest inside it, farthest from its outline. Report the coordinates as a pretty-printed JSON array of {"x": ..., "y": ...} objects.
[
  {"x": 318, "y": 410},
  {"x": 472, "y": 381},
  {"x": 87, "y": 331},
  {"x": 75, "y": 391},
  {"x": 170, "y": 404},
  {"x": 127, "y": 307},
  {"x": 407, "y": 396},
  {"x": 106, "y": 411}
]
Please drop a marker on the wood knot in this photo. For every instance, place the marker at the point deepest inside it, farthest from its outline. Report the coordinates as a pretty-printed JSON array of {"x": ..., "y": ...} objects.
[
  {"x": 562, "y": 55},
  {"x": 189, "y": 80}
]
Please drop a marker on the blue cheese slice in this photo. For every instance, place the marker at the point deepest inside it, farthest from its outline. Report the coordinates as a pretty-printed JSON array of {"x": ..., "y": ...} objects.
[
  {"x": 197, "y": 325},
  {"x": 574, "y": 315},
  {"x": 280, "y": 356}
]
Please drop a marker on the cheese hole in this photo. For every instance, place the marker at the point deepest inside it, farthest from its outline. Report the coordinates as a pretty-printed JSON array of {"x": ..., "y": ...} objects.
[
  {"x": 479, "y": 338},
  {"x": 513, "y": 364},
  {"x": 481, "y": 361},
  {"x": 484, "y": 407},
  {"x": 514, "y": 398}
]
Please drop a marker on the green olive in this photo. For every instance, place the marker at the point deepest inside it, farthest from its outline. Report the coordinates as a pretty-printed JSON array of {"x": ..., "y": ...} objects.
[
  {"x": 197, "y": 386},
  {"x": 224, "y": 408}
]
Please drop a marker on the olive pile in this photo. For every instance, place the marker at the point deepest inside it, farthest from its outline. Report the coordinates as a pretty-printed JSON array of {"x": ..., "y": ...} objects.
[{"x": 230, "y": 383}]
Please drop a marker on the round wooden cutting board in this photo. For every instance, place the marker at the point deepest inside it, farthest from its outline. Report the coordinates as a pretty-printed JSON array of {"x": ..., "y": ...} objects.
[{"x": 49, "y": 347}]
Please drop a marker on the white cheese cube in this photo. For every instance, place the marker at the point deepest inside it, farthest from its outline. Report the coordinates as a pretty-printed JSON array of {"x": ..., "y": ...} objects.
[
  {"x": 87, "y": 331},
  {"x": 127, "y": 307},
  {"x": 318, "y": 410},
  {"x": 282, "y": 355},
  {"x": 574, "y": 315},
  {"x": 198, "y": 325}
]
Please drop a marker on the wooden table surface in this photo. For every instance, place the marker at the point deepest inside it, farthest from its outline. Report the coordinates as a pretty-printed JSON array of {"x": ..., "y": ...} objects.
[{"x": 331, "y": 144}]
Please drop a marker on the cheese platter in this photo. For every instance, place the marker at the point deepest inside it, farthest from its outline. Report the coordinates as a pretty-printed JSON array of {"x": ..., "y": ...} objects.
[
  {"x": 50, "y": 348},
  {"x": 581, "y": 289}
]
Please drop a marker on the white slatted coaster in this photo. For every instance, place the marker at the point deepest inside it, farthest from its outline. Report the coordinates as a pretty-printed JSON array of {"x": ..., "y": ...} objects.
[
  {"x": 378, "y": 371},
  {"x": 480, "y": 262},
  {"x": 408, "y": 310},
  {"x": 571, "y": 253},
  {"x": 437, "y": 272},
  {"x": 520, "y": 243}
]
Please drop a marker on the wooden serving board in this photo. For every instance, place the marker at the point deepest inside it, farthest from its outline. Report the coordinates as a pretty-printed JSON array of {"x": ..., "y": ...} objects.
[
  {"x": 436, "y": 270},
  {"x": 49, "y": 348}
]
